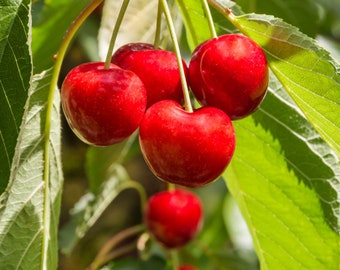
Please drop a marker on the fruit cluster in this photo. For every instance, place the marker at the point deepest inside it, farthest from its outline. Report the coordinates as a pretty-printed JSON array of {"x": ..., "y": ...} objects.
[{"x": 142, "y": 88}]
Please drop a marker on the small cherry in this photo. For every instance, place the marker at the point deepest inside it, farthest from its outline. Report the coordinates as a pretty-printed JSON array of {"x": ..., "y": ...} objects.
[
  {"x": 174, "y": 217},
  {"x": 186, "y": 148},
  {"x": 103, "y": 106},
  {"x": 157, "y": 68},
  {"x": 229, "y": 72},
  {"x": 187, "y": 267}
]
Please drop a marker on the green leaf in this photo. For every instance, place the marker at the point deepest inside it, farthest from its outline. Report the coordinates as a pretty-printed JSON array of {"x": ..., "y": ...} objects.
[
  {"x": 90, "y": 207},
  {"x": 304, "y": 14},
  {"x": 285, "y": 180},
  {"x": 196, "y": 24},
  {"x": 51, "y": 19},
  {"x": 100, "y": 159},
  {"x": 15, "y": 73},
  {"x": 29, "y": 208},
  {"x": 283, "y": 176},
  {"x": 307, "y": 72}
]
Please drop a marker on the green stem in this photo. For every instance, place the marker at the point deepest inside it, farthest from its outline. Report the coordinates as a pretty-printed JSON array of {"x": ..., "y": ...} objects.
[
  {"x": 53, "y": 86},
  {"x": 158, "y": 25},
  {"x": 174, "y": 259},
  {"x": 104, "y": 255},
  {"x": 167, "y": 13},
  {"x": 227, "y": 12},
  {"x": 115, "y": 32},
  {"x": 171, "y": 187},
  {"x": 209, "y": 17},
  {"x": 139, "y": 188}
]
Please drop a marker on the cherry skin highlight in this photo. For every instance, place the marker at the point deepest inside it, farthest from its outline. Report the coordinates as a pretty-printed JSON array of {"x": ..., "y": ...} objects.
[
  {"x": 229, "y": 72},
  {"x": 103, "y": 106},
  {"x": 173, "y": 217},
  {"x": 184, "y": 148},
  {"x": 157, "y": 68}
]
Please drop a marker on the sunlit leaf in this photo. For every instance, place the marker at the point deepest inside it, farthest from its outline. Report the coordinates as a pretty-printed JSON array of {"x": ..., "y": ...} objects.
[
  {"x": 196, "y": 24},
  {"x": 305, "y": 70},
  {"x": 29, "y": 208},
  {"x": 15, "y": 73},
  {"x": 285, "y": 180},
  {"x": 50, "y": 22}
]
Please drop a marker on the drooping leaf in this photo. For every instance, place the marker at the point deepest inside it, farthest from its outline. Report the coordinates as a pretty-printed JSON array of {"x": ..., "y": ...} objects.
[
  {"x": 51, "y": 19},
  {"x": 91, "y": 206},
  {"x": 15, "y": 73},
  {"x": 285, "y": 180},
  {"x": 29, "y": 208},
  {"x": 307, "y": 72}
]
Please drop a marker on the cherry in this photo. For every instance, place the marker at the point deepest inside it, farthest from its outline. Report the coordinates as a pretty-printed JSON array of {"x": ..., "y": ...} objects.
[
  {"x": 124, "y": 51},
  {"x": 103, "y": 106},
  {"x": 187, "y": 267},
  {"x": 189, "y": 149},
  {"x": 173, "y": 217},
  {"x": 158, "y": 69},
  {"x": 229, "y": 72}
]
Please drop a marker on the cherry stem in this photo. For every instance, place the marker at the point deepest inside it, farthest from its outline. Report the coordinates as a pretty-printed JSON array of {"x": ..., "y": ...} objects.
[
  {"x": 158, "y": 26},
  {"x": 171, "y": 187},
  {"x": 104, "y": 255},
  {"x": 115, "y": 32},
  {"x": 174, "y": 259},
  {"x": 227, "y": 12},
  {"x": 49, "y": 107},
  {"x": 167, "y": 13},
  {"x": 209, "y": 17},
  {"x": 139, "y": 188}
]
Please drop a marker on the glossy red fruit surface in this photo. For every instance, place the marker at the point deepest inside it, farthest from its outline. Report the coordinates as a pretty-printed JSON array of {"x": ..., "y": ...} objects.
[
  {"x": 103, "y": 106},
  {"x": 174, "y": 217},
  {"x": 124, "y": 51},
  {"x": 189, "y": 149},
  {"x": 158, "y": 69},
  {"x": 229, "y": 72}
]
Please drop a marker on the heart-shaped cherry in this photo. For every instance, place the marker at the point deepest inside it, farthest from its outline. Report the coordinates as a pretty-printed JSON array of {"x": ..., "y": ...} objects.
[
  {"x": 173, "y": 217},
  {"x": 229, "y": 72},
  {"x": 158, "y": 69},
  {"x": 189, "y": 149},
  {"x": 103, "y": 106}
]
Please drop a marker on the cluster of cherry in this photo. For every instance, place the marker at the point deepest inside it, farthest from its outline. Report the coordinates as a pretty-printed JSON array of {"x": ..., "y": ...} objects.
[{"x": 142, "y": 88}]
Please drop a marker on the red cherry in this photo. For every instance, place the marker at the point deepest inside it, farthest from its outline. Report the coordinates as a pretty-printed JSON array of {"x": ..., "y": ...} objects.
[
  {"x": 189, "y": 149},
  {"x": 174, "y": 217},
  {"x": 158, "y": 69},
  {"x": 187, "y": 267},
  {"x": 124, "y": 51},
  {"x": 229, "y": 72},
  {"x": 103, "y": 106}
]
